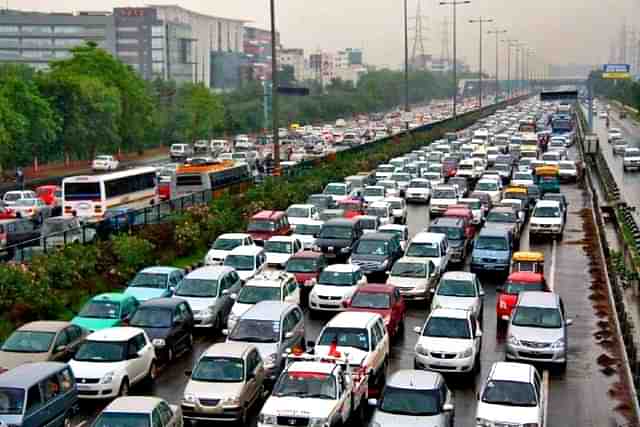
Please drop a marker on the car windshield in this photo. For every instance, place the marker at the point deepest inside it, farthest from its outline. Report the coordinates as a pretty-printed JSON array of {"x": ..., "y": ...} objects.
[
  {"x": 28, "y": 342},
  {"x": 444, "y": 194},
  {"x": 374, "y": 192},
  {"x": 226, "y": 244},
  {"x": 400, "y": 177},
  {"x": 336, "y": 190},
  {"x": 336, "y": 232},
  {"x": 219, "y": 370},
  {"x": 456, "y": 288},
  {"x": 374, "y": 300},
  {"x": 308, "y": 229},
  {"x": 452, "y": 233},
  {"x": 103, "y": 158},
  {"x": 447, "y": 327},
  {"x": 277, "y": 247},
  {"x": 410, "y": 401},
  {"x": 255, "y": 294},
  {"x": 302, "y": 265},
  {"x": 515, "y": 288},
  {"x": 627, "y": 153},
  {"x": 101, "y": 310},
  {"x": 419, "y": 184},
  {"x": 252, "y": 330},
  {"x": 388, "y": 184},
  {"x": 122, "y": 419},
  {"x": 409, "y": 269},
  {"x": 567, "y": 166},
  {"x": 345, "y": 337},
  {"x": 377, "y": 211},
  {"x": 296, "y": 212},
  {"x": 315, "y": 385},
  {"x": 473, "y": 205},
  {"x": 510, "y": 393},
  {"x": 261, "y": 225},
  {"x": 546, "y": 212},
  {"x": 149, "y": 280},
  {"x": 372, "y": 247},
  {"x": 537, "y": 317},
  {"x": 423, "y": 250},
  {"x": 11, "y": 401},
  {"x": 152, "y": 317},
  {"x": 240, "y": 262},
  {"x": 487, "y": 186},
  {"x": 198, "y": 288},
  {"x": 336, "y": 278},
  {"x": 101, "y": 351},
  {"x": 396, "y": 204}
]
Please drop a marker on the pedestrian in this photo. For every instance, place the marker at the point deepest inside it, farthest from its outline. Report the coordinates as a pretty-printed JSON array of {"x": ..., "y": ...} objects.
[{"x": 20, "y": 178}]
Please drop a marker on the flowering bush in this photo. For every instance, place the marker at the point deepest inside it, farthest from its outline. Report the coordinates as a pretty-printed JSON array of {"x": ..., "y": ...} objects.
[{"x": 133, "y": 253}]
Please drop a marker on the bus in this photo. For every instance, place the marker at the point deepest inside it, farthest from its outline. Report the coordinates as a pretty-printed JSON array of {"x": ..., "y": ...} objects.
[
  {"x": 210, "y": 176},
  {"x": 89, "y": 196}
]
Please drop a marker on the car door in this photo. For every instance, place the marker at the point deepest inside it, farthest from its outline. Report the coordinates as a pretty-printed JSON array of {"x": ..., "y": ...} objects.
[
  {"x": 476, "y": 333},
  {"x": 254, "y": 376},
  {"x": 176, "y": 337},
  {"x": 61, "y": 347},
  {"x": 299, "y": 331},
  {"x": 135, "y": 366},
  {"x": 292, "y": 291}
]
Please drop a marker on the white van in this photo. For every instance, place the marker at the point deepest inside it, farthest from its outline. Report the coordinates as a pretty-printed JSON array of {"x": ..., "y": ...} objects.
[
  {"x": 180, "y": 151},
  {"x": 433, "y": 246}
]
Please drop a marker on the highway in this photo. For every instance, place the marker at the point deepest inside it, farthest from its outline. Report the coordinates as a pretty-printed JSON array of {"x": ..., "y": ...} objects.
[{"x": 579, "y": 397}]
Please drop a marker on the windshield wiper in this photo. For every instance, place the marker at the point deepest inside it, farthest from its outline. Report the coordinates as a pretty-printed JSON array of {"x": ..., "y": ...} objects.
[{"x": 320, "y": 395}]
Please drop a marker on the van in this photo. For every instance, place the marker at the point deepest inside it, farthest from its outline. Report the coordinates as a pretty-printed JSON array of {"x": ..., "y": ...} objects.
[
  {"x": 337, "y": 237},
  {"x": 38, "y": 394},
  {"x": 492, "y": 251},
  {"x": 180, "y": 151},
  {"x": 266, "y": 224},
  {"x": 432, "y": 246}
]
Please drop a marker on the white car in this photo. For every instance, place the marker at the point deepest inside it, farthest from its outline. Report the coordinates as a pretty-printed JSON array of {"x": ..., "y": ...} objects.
[
  {"x": 450, "y": 341},
  {"x": 224, "y": 244},
  {"x": 434, "y": 178},
  {"x": 490, "y": 187},
  {"x": 618, "y": 146},
  {"x": 413, "y": 276},
  {"x": 248, "y": 261},
  {"x": 337, "y": 284},
  {"x": 382, "y": 210},
  {"x": 418, "y": 191},
  {"x": 300, "y": 213},
  {"x": 430, "y": 246},
  {"x": 269, "y": 286},
  {"x": 307, "y": 231},
  {"x": 547, "y": 218},
  {"x": 522, "y": 178},
  {"x": 11, "y": 197},
  {"x": 568, "y": 170},
  {"x": 390, "y": 188},
  {"x": 398, "y": 209},
  {"x": 402, "y": 231},
  {"x": 109, "y": 362},
  {"x": 552, "y": 157},
  {"x": 338, "y": 191},
  {"x": 459, "y": 290},
  {"x": 511, "y": 395},
  {"x": 614, "y": 133},
  {"x": 104, "y": 163},
  {"x": 141, "y": 409},
  {"x": 631, "y": 159},
  {"x": 442, "y": 197},
  {"x": 280, "y": 248},
  {"x": 374, "y": 193}
]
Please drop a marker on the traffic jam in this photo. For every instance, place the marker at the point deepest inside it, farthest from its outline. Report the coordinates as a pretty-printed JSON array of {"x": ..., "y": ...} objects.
[{"x": 367, "y": 305}]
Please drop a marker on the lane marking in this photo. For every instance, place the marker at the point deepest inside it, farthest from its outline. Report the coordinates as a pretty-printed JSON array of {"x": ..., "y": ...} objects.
[{"x": 545, "y": 373}]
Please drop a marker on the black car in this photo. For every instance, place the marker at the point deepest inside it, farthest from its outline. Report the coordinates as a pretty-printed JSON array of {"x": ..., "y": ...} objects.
[
  {"x": 169, "y": 324},
  {"x": 17, "y": 234},
  {"x": 337, "y": 237},
  {"x": 376, "y": 252},
  {"x": 458, "y": 240}
]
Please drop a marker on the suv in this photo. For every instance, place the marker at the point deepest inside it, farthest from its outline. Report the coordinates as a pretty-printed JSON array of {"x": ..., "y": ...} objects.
[
  {"x": 547, "y": 218},
  {"x": 338, "y": 236},
  {"x": 538, "y": 329},
  {"x": 336, "y": 285},
  {"x": 376, "y": 252},
  {"x": 492, "y": 251},
  {"x": 279, "y": 249},
  {"x": 432, "y": 246},
  {"x": 442, "y": 197},
  {"x": 266, "y": 224},
  {"x": 511, "y": 395},
  {"x": 275, "y": 327},
  {"x": 248, "y": 261},
  {"x": 454, "y": 229},
  {"x": 224, "y": 244}
]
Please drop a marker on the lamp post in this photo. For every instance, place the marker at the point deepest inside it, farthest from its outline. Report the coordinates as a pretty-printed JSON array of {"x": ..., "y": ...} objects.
[
  {"x": 406, "y": 59},
  {"x": 497, "y": 33},
  {"x": 274, "y": 90},
  {"x": 454, "y": 4},
  {"x": 480, "y": 21}
]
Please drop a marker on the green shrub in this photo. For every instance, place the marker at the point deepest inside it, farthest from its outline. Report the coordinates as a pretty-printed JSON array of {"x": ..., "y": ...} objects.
[{"x": 133, "y": 253}]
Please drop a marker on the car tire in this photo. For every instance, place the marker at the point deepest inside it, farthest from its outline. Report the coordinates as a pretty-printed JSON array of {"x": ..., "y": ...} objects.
[{"x": 124, "y": 388}]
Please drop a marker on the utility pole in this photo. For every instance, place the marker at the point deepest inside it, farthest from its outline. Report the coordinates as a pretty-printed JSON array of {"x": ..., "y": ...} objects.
[
  {"x": 406, "y": 58},
  {"x": 480, "y": 21},
  {"x": 274, "y": 89},
  {"x": 454, "y": 4},
  {"x": 497, "y": 33},
  {"x": 510, "y": 43}
]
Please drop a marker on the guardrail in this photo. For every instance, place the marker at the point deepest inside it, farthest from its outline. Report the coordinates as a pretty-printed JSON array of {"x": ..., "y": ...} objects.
[{"x": 89, "y": 232}]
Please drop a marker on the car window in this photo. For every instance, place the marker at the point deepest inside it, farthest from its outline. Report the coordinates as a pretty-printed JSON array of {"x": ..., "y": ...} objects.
[
  {"x": 34, "y": 399},
  {"x": 375, "y": 338},
  {"x": 289, "y": 322},
  {"x": 292, "y": 286},
  {"x": 185, "y": 311},
  {"x": 226, "y": 282},
  {"x": 74, "y": 333},
  {"x": 165, "y": 413},
  {"x": 141, "y": 341},
  {"x": 178, "y": 315},
  {"x": 297, "y": 315},
  {"x": 62, "y": 339},
  {"x": 51, "y": 388}
]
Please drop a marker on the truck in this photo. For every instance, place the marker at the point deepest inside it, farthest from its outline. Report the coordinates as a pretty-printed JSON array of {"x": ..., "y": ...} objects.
[{"x": 312, "y": 390}]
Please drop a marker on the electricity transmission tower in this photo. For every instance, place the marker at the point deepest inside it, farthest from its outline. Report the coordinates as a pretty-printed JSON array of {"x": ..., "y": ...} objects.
[
  {"x": 445, "y": 54},
  {"x": 419, "y": 53}
]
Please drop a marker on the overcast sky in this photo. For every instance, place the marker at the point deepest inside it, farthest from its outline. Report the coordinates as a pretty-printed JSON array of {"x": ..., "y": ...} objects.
[{"x": 560, "y": 31}]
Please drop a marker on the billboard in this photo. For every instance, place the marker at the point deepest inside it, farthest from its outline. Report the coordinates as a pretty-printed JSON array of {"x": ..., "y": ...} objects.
[{"x": 616, "y": 71}]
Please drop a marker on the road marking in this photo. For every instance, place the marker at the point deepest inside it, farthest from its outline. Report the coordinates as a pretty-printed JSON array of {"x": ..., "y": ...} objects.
[{"x": 545, "y": 373}]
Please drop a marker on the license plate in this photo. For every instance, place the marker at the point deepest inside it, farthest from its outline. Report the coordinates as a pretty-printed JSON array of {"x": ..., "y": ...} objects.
[{"x": 83, "y": 387}]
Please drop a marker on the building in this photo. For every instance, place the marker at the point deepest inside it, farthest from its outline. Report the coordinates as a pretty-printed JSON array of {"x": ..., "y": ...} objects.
[
  {"x": 355, "y": 56},
  {"x": 257, "y": 47},
  {"x": 35, "y": 38},
  {"x": 327, "y": 66},
  {"x": 293, "y": 58},
  {"x": 228, "y": 70}
]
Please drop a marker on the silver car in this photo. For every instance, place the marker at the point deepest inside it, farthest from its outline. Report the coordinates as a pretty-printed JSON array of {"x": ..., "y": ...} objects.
[
  {"x": 414, "y": 398},
  {"x": 538, "y": 329}
]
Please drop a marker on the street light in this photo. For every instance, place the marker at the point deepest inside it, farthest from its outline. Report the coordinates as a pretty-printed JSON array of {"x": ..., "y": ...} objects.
[
  {"x": 510, "y": 43},
  {"x": 406, "y": 59},
  {"x": 274, "y": 90},
  {"x": 455, "y": 4},
  {"x": 480, "y": 21},
  {"x": 497, "y": 33}
]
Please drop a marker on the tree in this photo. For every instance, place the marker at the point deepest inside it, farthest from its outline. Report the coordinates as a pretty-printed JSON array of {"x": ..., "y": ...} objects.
[
  {"x": 286, "y": 75},
  {"x": 201, "y": 112}
]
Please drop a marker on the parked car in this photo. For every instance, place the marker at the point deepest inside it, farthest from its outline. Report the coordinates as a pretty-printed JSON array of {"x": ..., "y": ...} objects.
[
  {"x": 11, "y": 197},
  {"x": 104, "y": 163},
  {"x": 106, "y": 311},
  {"x": 385, "y": 300},
  {"x": 154, "y": 282},
  {"x": 140, "y": 410}
]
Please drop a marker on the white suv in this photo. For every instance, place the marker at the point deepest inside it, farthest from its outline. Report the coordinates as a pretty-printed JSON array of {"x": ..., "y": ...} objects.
[
  {"x": 280, "y": 248},
  {"x": 547, "y": 218},
  {"x": 512, "y": 395},
  {"x": 224, "y": 244},
  {"x": 112, "y": 360}
]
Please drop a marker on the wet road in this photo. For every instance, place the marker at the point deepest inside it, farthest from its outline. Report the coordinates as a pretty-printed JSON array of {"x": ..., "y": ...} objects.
[{"x": 579, "y": 397}]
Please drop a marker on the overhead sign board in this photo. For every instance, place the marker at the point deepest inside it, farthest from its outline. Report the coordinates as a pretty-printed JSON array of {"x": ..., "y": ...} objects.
[
  {"x": 559, "y": 95},
  {"x": 616, "y": 71}
]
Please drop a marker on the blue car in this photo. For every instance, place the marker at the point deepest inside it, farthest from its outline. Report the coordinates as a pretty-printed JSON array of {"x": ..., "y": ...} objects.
[
  {"x": 492, "y": 251},
  {"x": 155, "y": 282}
]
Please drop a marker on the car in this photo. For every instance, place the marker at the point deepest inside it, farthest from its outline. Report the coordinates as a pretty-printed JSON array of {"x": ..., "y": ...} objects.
[
  {"x": 492, "y": 250},
  {"x": 106, "y": 311},
  {"x": 491, "y": 187},
  {"x": 104, "y": 163},
  {"x": 505, "y": 217},
  {"x": 279, "y": 249},
  {"x": 402, "y": 231},
  {"x": 475, "y": 205},
  {"x": 266, "y": 224},
  {"x": 512, "y": 394},
  {"x": 414, "y": 277},
  {"x": 336, "y": 284},
  {"x": 385, "y": 300},
  {"x": 450, "y": 341},
  {"x": 614, "y": 133},
  {"x": 375, "y": 253},
  {"x": 547, "y": 218},
  {"x": 537, "y": 330},
  {"x": 432, "y": 246},
  {"x": 140, "y": 410},
  {"x": 561, "y": 198},
  {"x": 368, "y": 223},
  {"x": 337, "y": 237},
  {"x": 301, "y": 212},
  {"x": 154, "y": 282},
  {"x": 517, "y": 282},
  {"x": 169, "y": 324},
  {"x": 247, "y": 261},
  {"x": 11, "y": 197},
  {"x": 270, "y": 286},
  {"x": 618, "y": 146},
  {"x": 274, "y": 327},
  {"x": 418, "y": 191},
  {"x": 398, "y": 209},
  {"x": 208, "y": 291},
  {"x": 374, "y": 193},
  {"x": 459, "y": 290},
  {"x": 224, "y": 244},
  {"x": 390, "y": 188},
  {"x": 306, "y": 266},
  {"x": 52, "y": 196},
  {"x": 307, "y": 231},
  {"x": 338, "y": 191},
  {"x": 631, "y": 159},
  {"x": 33, "y": 209},
  {"x": 321, "y": 201},
  {"x": 442, "y": 197},
  {"x": 111, "y": 361},
  {"x": 414, "y": 397},
  {"x": 462, "y": 183},
  {"x": 225, "y": 383},
  {"x": 41, "y": 341},
  {"x": 458, "y": 236},
  {"x": 382, "y": 210},
  {"x": 58, "y": 231},
  {"x": 522, "y": 178}
]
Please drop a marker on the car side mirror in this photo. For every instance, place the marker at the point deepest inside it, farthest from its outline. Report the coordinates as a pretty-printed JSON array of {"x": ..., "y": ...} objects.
[
  {"x": 481, "y": 293},
  {"x": 225, "y": 332},
  {"x": 478, "y": 333},
  {"x": 447, "y": 407},
  {"x": 568, "y": 322},
  {"x": 172, "y": 289},
  {"x": 417, "y": 330},
  {"x": 188, "y": 373}
]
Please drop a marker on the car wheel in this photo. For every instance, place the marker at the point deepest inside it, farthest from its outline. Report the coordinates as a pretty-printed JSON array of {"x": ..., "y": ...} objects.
[{"x": 124, "y": 388}]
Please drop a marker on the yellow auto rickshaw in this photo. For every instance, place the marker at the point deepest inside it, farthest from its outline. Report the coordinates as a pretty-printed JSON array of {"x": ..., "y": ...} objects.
[
  {"x": 548, "y": 179},
  {"x": 532, "y": 262},
  {"x": 517, "y": 192}
]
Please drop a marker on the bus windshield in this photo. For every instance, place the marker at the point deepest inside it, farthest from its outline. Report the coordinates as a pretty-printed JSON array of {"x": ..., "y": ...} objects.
[{"x": 74, "y": 191}]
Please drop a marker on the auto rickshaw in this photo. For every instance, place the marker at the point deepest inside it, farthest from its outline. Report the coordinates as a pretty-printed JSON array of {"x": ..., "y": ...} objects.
[
  {"x": 547, "y": 178},
  {"x": 351, "y": 207},
  {"x": 519, "y": 192},
  {"x": 527, "y": 262}
]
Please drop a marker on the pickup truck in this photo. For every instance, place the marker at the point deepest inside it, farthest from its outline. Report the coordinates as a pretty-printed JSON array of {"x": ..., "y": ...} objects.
[{"x": 316, "y": 391}]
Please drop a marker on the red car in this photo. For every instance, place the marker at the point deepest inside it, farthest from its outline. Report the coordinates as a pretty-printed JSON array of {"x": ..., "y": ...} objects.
[
  {"x": 463, "y": 212},
  {"x": 351, "y": 207},
  {"x": 383, "y": 299},
  {"x": 6, "y": 212},
  {"x": 50, "y": 194},
  {"x": 266, "y": 224},
  {"x": 516, "y": 283},
  {"x": 306, "y": 266}
]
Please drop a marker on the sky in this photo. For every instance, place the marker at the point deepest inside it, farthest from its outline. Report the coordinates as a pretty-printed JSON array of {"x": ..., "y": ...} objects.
[{"x": 559, "y": 31}]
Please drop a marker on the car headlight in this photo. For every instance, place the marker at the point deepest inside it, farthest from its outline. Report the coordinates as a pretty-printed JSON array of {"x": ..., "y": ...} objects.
[
  {"x": 267, "y": 419},
  {"x": 231, "y": 401},
  {"x": 158, "y": 342},
  {"x": 467, "y": 353},
  {"x": 421, "y": 349},
  {"x": 481, "y": 422},
  {"x": 190, "y": 398},
  {"x": 107, "y": 378},
  {"x": 558, "y": 345},
  {"x": 513, "y": 340},
  {"x": 270, "y": 361},
  {"x": 318, "y": 422},
  {"x": 385, "y": 264}
]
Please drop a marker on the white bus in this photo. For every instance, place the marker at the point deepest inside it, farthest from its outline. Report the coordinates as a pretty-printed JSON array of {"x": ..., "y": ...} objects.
[{"x": 89, "y": 196}]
